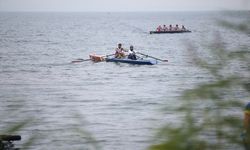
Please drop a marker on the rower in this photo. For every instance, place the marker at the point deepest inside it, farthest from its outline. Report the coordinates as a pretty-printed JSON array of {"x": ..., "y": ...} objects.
[
  {"x": 170, "y": 27},
  {"x": 183, "y": 28},
  {"x": 119, "y": 51},
  {"x": 176, "y": 27},
  {"x": 165, "y": 28},
  {"x": 131, "y": 54},
  {"x": 159, "y": 28}
]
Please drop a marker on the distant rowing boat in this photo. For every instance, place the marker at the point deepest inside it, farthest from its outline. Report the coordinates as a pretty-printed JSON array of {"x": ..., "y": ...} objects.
[{"x": 177, "y": 31}]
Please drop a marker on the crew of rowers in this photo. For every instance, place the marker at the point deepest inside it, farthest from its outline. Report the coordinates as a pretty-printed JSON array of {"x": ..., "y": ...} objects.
[
  {"x": 170, "y": 28},
  {"x": 121, "y": 53}
]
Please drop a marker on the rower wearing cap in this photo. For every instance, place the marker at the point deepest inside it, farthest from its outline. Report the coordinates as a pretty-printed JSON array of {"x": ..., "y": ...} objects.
[
  {"x": 183, "y": 28},
  {"x": 176, "y": 27}
]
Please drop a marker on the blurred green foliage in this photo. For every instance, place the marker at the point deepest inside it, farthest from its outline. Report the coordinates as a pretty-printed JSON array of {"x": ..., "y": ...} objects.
[{"x": 213, "y": 110}]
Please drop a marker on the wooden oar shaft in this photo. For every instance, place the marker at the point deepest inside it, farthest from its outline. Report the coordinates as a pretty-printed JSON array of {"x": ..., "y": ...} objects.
[
  {"x": 152, "y": 57},
  {"x": 110, "y": 55}
]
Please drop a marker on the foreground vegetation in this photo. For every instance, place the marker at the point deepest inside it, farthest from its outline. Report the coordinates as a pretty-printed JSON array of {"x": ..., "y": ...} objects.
[{"x": 217, "y": 123}]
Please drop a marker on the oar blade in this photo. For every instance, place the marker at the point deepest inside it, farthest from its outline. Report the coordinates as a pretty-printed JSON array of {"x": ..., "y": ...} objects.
[{"x": 79, "y": 60}]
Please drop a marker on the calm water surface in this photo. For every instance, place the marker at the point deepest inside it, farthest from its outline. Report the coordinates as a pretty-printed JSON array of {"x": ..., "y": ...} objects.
[{"x": 119, "y": 104}]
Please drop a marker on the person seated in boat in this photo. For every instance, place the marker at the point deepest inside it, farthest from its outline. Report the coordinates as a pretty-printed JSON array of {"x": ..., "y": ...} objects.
[
  {"x": 170, "y": 27},
  {"x": 176, "y": 27},
  {"x": 183, "y": 28},
  {"x": 165, "y": 28},
  {"x": 159, "y": 28},
  {"x": 119, "y": 51},
  {"x": 131, "y": 54}
]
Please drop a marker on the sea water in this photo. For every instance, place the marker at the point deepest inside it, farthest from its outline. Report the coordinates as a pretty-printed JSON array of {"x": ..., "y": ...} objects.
[{"x": 120, "y": 105}]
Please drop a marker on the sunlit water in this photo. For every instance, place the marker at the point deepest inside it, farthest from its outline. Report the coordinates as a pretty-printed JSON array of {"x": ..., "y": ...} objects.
[{"x": 119, "y": 104}]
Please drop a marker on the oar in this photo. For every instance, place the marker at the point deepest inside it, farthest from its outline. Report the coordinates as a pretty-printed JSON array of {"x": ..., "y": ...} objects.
[
  {"x": 82, "y": 60},
  {"x": 79, "y": 60},
  {"x": 110, "y": 55},
  {"x": 153, "y": 57}
]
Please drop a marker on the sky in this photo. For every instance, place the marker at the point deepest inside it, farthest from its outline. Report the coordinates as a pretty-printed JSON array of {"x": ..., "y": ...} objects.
[{"x": 123, "y": 5}]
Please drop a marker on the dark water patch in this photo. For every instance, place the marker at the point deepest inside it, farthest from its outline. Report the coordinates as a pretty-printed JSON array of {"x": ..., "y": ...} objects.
[
  {"x": 22, "y": 41},
  {"x": 40, "y": 34}
]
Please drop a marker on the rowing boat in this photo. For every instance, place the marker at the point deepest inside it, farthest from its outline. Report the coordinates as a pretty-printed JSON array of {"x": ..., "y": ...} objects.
[
  {"x": 130, "y": 61},
  {"x": 178, "y": 31}
]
